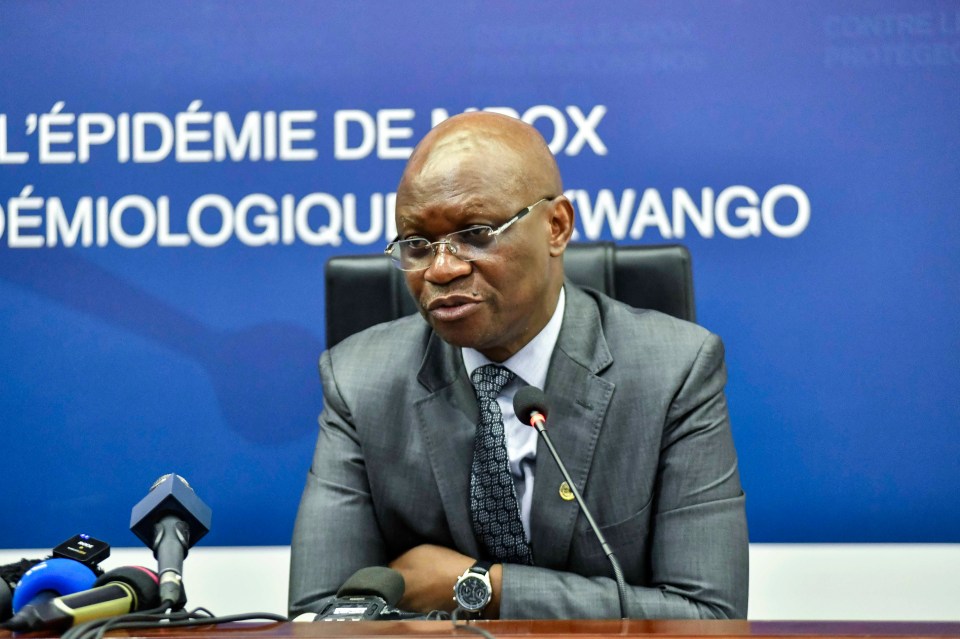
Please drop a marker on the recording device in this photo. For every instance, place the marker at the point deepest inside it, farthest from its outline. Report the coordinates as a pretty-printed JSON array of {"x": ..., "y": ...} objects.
[
  {"x": 85, "y": 549},
  {"x": 370, "y": 594},
  {"x": 117, "y": 592},
  {"x": 531, "y": 406},
  {"x": 170, "y": 520}
]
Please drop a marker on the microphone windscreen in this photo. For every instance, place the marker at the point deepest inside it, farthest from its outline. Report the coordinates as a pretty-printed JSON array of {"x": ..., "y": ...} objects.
[
  {"x": 527, "y": 400},
  {"x": 377, "y": 581},
  {"x": 59, "y": 576},
  {"x": 170, "y": 495}
]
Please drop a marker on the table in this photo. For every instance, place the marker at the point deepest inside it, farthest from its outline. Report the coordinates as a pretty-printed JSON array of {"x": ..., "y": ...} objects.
[{"x": 554, "y": 629}]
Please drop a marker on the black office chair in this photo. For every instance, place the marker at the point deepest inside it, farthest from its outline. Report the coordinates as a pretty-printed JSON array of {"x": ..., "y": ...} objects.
[{"x": 363, "y": 290}]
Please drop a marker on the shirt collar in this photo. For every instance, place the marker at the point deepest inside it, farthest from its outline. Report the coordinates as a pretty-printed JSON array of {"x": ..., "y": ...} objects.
[{"x": 532, "y": 361}]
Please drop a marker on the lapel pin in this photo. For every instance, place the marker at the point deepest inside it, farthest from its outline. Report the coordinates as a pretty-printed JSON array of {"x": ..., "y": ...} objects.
[{"x": 565, "y": 493}]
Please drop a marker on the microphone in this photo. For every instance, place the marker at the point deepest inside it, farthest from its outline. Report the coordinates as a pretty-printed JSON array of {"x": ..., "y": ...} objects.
[
  {"x": 117, "y": 592},
  {"x": 374, "y": 581},
  {"x": 6, "y": 596},
  {"x": 369, "y": 594},
  {"x": 170, "y": 520},
  {"x": 531, "y": 406},
  {"x": 10, "y": 576},
  {"x": 51, "y": 578}
]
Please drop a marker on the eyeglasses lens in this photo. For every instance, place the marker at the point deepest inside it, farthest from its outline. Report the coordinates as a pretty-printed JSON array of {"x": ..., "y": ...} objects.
[{"x": 467, "y": 245}]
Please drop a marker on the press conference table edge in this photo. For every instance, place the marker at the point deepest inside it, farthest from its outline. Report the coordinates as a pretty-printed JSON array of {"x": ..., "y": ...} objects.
[{"x": 580, "y": 629}]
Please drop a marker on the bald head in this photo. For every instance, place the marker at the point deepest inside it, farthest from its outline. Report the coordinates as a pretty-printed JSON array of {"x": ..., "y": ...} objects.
[
  {"x": 483, "y": 143},
  {"x": 481, "y": 171}
]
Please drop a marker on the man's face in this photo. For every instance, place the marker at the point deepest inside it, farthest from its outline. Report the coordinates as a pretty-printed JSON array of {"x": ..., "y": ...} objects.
[{"x": 494, "y": 305}]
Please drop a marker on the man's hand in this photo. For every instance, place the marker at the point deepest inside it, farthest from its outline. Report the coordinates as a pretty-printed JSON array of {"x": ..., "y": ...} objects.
[{"x": 430, "y": 573}]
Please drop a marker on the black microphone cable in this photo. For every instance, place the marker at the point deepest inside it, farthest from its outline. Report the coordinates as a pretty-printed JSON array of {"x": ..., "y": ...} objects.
[
  {"x": 160, "y": 618},
  {"x": 464, "y": 624}
]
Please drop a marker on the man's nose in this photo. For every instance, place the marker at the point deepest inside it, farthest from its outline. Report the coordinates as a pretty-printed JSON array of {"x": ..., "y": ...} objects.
[{"x": 446, "y": 266}]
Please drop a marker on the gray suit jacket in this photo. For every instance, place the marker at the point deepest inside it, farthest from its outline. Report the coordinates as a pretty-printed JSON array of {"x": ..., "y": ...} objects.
[{"x": 638, "y": 415}]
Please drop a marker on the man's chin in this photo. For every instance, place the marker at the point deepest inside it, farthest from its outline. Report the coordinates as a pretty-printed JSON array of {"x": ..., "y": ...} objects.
[
  {"x": 465, "y": 333},
  {"x": 489, "y": 345},
  {"x": 456, "y": 335}
]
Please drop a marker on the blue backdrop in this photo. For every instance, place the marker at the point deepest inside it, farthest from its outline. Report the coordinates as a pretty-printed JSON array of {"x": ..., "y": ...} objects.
[{"x": 173, "y": 177}]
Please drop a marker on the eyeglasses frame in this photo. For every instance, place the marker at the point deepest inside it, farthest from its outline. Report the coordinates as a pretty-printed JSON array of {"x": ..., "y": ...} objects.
[{"x": 445, "y": 240}]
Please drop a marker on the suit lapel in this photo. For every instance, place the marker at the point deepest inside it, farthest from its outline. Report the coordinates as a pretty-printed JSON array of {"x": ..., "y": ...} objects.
[
  {"x": 447, "y": 415},
  {"x": 579, "y": 400}
]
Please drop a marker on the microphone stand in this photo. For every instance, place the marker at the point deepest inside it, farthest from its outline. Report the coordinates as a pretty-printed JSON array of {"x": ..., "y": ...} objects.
[{"x": 537, "y": 420}]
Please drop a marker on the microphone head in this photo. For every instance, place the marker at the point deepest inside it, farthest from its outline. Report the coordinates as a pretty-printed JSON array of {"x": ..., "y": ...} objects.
[
  {"x": 528, "y": 400},
  {"x": 170, "y": 495},
  {"x": 375, "y": 581},
  {"x": 143, "y": 581}
]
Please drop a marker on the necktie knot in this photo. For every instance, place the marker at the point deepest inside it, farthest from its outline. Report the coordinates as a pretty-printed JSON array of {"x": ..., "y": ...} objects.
[{"x": 489, "y": 380}]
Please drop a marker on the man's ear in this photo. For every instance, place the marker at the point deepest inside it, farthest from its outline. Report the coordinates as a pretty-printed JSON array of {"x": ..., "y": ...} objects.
[{"x": 561, "y": 225}]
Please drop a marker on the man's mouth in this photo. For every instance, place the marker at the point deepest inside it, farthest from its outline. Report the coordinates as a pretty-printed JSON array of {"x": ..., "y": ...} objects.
[{"x": 452, "y": 307}]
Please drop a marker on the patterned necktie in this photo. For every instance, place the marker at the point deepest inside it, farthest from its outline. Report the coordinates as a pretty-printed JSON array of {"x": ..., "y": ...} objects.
[{"x": 493, "y": 496}]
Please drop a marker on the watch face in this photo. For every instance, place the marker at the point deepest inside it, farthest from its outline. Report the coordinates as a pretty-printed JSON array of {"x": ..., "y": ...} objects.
[{"x": 472, "y": 593}]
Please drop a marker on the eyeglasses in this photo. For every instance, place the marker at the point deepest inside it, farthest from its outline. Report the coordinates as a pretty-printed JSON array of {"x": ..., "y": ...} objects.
[{"x": 470, "y": 244}]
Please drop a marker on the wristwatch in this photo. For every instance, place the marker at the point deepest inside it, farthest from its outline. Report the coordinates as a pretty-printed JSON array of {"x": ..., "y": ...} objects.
[{"x": 473, "y": 590}]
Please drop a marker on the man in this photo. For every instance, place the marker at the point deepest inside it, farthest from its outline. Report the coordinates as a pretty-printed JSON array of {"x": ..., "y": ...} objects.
[{"x": 406, "y": 467}]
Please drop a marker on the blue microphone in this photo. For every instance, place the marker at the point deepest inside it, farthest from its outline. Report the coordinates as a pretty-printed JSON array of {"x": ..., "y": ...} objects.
[{"x": 52, "y": 578}]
